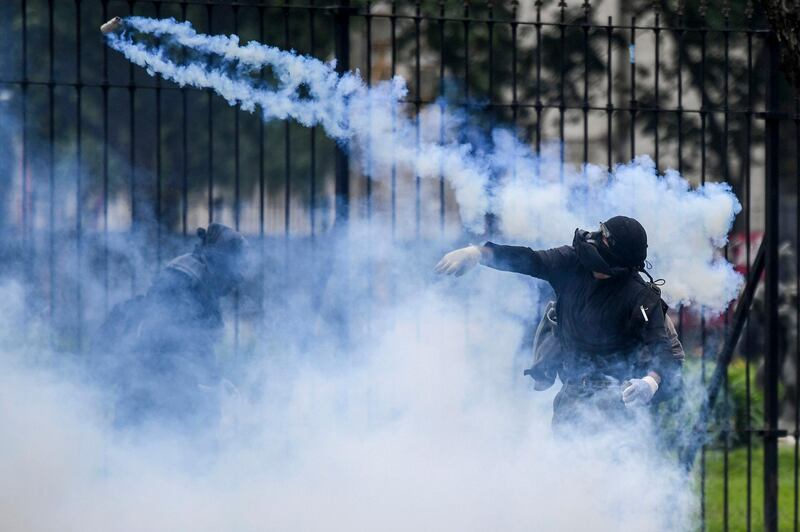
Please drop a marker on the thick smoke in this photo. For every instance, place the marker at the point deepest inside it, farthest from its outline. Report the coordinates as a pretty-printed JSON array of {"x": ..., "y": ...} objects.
[
  {"x": 539, "y": 200},
  {"x": 370, "y": 394},
  {"x": 424, "y": 423}
]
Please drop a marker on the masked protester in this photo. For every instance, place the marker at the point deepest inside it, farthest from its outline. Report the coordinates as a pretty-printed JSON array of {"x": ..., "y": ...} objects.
[
  {"x": 616, "y": 351},
  {"x": 155, "y": 351}
]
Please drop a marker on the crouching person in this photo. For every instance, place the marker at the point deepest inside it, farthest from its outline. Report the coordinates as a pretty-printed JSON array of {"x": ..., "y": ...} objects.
[
  {"x": 616, "y": 354},
  {"x": 155, "y": 352}
]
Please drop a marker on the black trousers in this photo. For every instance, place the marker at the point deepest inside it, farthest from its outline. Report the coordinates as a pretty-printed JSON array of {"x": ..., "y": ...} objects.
[{"x": 590, "y": 408}]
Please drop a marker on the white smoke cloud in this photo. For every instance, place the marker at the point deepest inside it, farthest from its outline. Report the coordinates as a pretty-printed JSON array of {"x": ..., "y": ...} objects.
[
  {"x": 685, "y": 226},
  {"x": 422, "y": 426},
  {"x": 419, "y": 418},
  {"x": 539, "y": 200}
]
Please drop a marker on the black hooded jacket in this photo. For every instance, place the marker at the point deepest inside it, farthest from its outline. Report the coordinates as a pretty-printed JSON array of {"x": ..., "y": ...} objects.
[
  {"x": 156, "y": 351},
  {"x": 609, "y": 326}
]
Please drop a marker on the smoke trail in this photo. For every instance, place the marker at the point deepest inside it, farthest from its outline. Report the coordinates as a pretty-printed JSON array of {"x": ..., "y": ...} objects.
[
  {"x": 313, "y": 93},
  {"x": 538, "y": 200}
]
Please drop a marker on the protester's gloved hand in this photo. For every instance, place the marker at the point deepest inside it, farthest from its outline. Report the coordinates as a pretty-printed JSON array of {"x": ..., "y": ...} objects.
[
  {"x": 460, "y": 261},
  {"x": 639, "y": 391}
]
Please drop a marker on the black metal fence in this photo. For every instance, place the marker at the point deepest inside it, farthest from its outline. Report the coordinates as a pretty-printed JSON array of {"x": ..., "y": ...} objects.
[{"x": 95, "y": 155}]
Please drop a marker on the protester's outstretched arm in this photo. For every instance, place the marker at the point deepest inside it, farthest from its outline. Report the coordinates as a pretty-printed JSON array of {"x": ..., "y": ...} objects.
[
  {"x": 544, "y": 264},
  {"x": 460, "y": 261},
  {"x": 547, "y": 264}
]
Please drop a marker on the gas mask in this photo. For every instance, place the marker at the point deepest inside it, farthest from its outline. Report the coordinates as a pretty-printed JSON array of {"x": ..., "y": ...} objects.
[
  {"x": 595, "y": 255},
  {"x": 224, "y": 252}
]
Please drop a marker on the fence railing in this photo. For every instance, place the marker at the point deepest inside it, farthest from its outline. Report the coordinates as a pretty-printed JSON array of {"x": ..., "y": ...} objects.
[{"x": 93, "y": 148}]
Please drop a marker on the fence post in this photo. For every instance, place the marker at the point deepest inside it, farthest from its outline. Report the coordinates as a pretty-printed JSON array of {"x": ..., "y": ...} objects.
[
  {"x": 771, "y": 236},
  {"x": 342, "y": 161}
]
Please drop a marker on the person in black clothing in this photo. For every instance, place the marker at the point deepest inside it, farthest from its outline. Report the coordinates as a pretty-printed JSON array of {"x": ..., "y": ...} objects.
[
  {"x": 156, "y": 351},
  {"x": 616, "y": 351}
]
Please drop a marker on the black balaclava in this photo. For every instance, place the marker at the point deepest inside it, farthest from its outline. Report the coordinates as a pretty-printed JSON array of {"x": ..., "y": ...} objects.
[
  {"x": 626, "y": 250},
  {"x": 223, "y": 250}
]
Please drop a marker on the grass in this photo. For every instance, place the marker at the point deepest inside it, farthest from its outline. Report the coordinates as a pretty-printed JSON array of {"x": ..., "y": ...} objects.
[{"x": 737, "y": 489}]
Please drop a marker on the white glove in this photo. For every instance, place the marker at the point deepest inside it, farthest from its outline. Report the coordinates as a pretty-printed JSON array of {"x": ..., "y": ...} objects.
[
  {"x": 639, "y": 391},
  {"x": 460, "y": 261}
]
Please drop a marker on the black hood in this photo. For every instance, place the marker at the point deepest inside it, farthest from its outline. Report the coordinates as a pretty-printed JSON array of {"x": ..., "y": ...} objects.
[{"x": 627, "y": 242}]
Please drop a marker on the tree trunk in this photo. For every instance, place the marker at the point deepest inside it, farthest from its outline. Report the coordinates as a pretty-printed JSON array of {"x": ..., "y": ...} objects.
[{"x": 784, "y": 18}]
